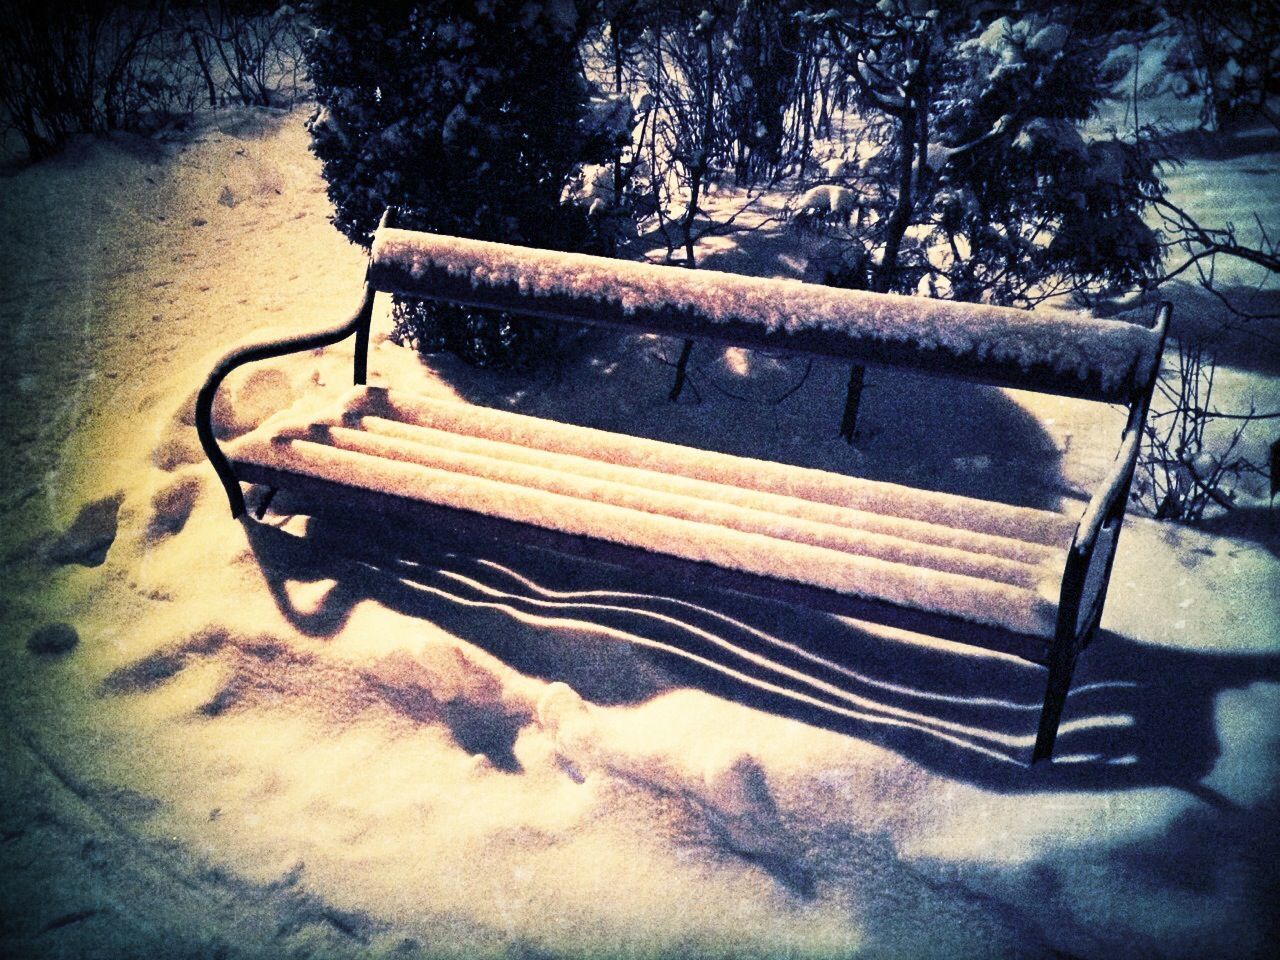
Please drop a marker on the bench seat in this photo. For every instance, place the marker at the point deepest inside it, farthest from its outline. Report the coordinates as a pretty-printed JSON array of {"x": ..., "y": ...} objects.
[{"x": 975, "y": 560}]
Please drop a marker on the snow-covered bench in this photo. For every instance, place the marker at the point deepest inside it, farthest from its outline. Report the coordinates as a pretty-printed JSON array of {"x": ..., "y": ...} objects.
[{"x": 1024, "y": 581}]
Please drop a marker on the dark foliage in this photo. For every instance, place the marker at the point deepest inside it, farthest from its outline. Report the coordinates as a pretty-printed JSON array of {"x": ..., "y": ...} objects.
[
  {"x": 80, "y": 66},
  {"x": 468, "y": 120}
]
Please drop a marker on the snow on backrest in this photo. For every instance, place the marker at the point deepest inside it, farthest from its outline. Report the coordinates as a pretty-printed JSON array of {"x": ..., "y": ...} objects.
[{"x": 1048, "y": 350}]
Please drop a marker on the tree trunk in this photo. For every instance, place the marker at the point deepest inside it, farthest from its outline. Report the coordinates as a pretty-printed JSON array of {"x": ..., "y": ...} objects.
[
  {"x": 852, "y": 399},
  {"x": 702, "y": 159},
  {"x": 203, "y": 62},
  {"x": 682, "y": 368},
  {"x": 698, "y": 171},
  {"x": 617, "y": 89},
  {"x": 901, "y": 216}
]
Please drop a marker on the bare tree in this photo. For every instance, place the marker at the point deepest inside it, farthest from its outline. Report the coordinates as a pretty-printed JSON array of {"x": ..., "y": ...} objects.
[
  {"x": 75, "y": 68},
  {"x": 254, "y": 45},
  {"x": 1182, "y": 472}
]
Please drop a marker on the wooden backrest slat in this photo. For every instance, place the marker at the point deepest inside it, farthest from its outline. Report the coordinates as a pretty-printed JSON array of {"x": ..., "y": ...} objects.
[{"x": 1049, "y": 351}]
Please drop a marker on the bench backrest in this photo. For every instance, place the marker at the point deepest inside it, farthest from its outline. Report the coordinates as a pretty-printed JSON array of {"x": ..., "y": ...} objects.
[{"x": 1049, "y": 351}]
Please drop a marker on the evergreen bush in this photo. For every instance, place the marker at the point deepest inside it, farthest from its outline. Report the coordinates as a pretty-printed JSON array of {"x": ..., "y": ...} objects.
[{"x": 469, "y": 120}]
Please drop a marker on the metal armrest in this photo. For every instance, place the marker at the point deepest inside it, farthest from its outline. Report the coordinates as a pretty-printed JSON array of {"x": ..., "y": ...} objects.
[
  {"x": 1083, "y": 586},
  {"x": 1084, "y": 581},
  {"x": 1109, "y": 499},
  {"x": 357, "y": 324}
]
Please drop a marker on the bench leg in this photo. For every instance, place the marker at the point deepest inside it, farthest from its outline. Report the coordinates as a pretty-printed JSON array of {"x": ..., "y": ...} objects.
[
  {"x": 852, "y": 400},
  {"x": 682, "y": 367},
  {"x": 1062, "y": 663},
  {"x": 265, "y": 503}
]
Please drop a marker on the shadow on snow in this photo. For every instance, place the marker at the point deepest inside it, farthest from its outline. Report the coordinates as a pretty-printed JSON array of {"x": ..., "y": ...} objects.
[{"x": 1138, "y": 715}]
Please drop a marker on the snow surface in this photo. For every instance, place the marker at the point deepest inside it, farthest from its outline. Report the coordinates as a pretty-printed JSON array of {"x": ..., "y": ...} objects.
[
  {"x": 305, "y": 738},
  {"x": 826, "y": 200},
  {"x": 1117, "y": 353}
]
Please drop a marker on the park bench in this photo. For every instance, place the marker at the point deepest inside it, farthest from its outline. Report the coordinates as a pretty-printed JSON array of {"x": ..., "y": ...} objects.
[{"x": 1023, "y": 581}]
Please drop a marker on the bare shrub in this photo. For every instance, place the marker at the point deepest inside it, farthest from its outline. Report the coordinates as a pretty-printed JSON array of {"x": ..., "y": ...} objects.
[
  {"x": 246, "y": 50},
  {"x": 93, "y": 66},
  {"x": 75, "y": 67},
  {"x": 1183, "y": 471}
]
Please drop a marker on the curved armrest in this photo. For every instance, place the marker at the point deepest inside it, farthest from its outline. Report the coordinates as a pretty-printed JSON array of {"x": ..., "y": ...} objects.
[
  {"x": 1111, "y": 496},
  {"x": 357, "y": 324},
  {"x": 1084, "y": 583},
  {"x": 1109, "y": 499},
  {"x": 1088, "y": 568}
]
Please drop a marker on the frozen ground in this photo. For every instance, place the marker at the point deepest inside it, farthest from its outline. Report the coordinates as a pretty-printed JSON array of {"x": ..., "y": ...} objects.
[{"x": 325, "y": 737}]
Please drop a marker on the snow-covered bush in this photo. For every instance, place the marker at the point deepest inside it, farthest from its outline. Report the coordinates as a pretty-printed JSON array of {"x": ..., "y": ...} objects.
[
  {"x": 1228, "y": 55},
  {"x": 1022, "y": 202},
  {"x": 977, "y": 183},
  {"x": 469, "y": 119},
  {"x": 980, "y": 182}
]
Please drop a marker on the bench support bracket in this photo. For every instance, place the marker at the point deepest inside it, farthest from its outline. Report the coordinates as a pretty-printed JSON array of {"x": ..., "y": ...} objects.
[{"x": 852, "y": 400}]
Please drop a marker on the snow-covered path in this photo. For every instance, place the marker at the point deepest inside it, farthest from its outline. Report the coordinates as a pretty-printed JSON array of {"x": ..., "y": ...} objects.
[{"x": 334, "y": 737}]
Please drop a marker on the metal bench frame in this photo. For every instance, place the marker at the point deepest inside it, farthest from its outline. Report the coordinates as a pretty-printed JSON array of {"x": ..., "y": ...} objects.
[{"x": 1089, "y": 559}]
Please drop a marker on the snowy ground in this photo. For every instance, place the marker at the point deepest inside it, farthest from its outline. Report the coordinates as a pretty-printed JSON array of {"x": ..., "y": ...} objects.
[{"x": 326, "y": 737}]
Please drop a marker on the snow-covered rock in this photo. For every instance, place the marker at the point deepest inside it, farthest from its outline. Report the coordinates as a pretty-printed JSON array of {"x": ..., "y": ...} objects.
[
  {"x": 90, "y": 535},
  {"x": 53, "y": 639},
  {"x": 827, "y": 201}
]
